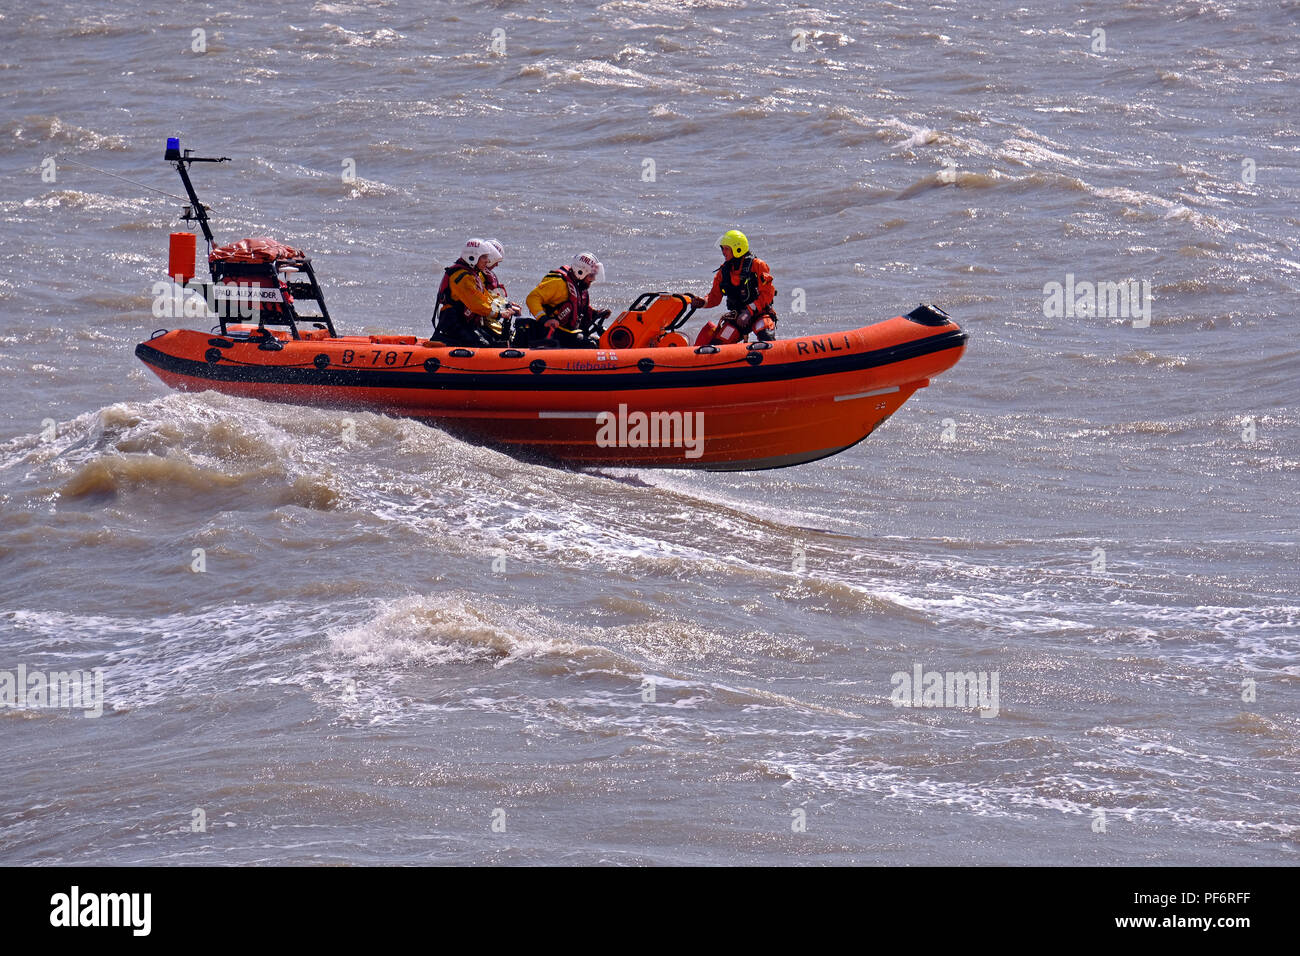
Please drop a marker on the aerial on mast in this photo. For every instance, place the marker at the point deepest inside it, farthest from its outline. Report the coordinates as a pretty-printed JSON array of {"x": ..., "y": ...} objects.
[{"x": 195, "y": 211}]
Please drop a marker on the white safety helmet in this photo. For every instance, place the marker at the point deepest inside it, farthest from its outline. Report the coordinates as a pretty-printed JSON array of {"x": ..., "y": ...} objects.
[
  {"x": 498, "y": 253},
  {"x": 587, "y": 267},
  {"x": 477, "y": 252}
]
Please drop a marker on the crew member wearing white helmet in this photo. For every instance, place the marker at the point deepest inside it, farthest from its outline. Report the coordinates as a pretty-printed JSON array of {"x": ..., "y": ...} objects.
[
  {"x": 490, "y": 279},
  {"x": 469, "y": 313},
  {"x": 561, "y": 307}
]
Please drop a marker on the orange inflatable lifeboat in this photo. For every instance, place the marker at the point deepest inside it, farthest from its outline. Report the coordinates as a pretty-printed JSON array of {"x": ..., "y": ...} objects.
[{"x": 644, "y": 398}]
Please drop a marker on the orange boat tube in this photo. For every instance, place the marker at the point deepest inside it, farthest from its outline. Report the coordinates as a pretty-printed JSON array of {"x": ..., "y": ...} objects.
[{"x": 729, "y": 407}]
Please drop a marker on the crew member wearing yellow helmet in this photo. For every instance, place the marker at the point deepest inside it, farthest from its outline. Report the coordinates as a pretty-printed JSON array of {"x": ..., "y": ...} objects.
[{"x": 745, "y": 282}]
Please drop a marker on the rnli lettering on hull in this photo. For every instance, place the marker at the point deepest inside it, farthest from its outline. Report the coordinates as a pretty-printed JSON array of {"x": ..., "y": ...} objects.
[{"x": 822, "y": 345}]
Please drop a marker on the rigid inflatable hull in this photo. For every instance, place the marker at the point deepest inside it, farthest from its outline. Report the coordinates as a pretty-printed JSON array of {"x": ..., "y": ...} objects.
[{"x": 797, "y": 401}]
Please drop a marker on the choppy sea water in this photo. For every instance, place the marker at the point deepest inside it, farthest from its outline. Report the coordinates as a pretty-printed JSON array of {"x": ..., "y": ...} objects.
[{"x": 403, "y": 648}]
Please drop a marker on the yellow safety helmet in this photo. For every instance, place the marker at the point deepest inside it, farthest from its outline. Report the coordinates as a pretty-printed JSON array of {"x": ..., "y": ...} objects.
[{"x": 735, "y": 240}]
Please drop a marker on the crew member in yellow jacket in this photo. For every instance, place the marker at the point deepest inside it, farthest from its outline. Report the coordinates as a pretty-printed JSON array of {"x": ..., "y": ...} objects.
[
  {"x": 470, "y": 311},
  {"x": 561, "y": 307}
]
